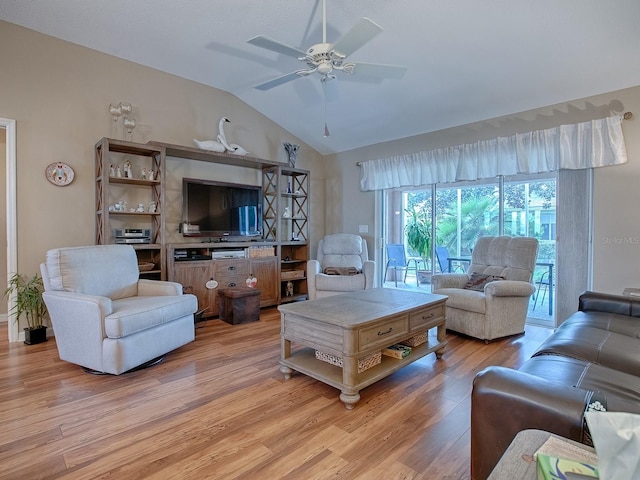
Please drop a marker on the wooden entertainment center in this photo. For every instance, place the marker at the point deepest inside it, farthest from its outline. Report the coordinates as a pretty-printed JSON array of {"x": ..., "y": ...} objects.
[{"x": 278, "y": 260}]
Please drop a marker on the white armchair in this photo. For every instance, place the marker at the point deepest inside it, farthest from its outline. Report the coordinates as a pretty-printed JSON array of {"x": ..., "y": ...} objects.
[
  {"x": 342, "y": 265},
  {"x": 498, "y": 307},
  {"x": 104, "y": 318}
]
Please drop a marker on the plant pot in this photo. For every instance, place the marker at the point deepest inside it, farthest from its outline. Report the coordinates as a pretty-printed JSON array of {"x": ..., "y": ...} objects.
[{"x": 35, "y": 335}]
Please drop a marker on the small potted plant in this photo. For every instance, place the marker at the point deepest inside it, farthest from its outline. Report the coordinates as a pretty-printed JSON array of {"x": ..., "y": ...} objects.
[{"x": 30, "y": 305}]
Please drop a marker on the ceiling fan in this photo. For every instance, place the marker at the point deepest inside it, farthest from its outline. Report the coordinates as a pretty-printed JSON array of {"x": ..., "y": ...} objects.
[{"x": 327, "y": 58}]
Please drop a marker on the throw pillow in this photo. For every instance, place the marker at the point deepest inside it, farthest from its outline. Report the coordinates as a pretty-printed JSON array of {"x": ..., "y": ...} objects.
[
  {"x": 341, "y": 271},
  {"x": 477, "y": 281}
]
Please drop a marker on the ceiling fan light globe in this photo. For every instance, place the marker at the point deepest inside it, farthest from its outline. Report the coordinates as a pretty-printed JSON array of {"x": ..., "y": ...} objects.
[{"x": 325, "y": 68}]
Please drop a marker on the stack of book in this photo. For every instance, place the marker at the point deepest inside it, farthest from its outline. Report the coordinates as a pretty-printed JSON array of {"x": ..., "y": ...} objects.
[{"x": 397, "y": 351}]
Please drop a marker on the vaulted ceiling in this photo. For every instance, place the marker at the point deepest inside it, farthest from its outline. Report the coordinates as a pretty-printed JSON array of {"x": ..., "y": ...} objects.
[{"x": 467, "y": 60}]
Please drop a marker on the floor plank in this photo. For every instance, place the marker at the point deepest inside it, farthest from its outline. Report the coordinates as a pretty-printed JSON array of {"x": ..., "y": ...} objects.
[{"x": 220, "y": 408}]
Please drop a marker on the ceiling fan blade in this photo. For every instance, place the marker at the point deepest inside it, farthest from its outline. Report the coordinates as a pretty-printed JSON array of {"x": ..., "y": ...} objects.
[
  {"x": 378, "y": 70},
  {"x": 278, "y": 81},
  {"x": 360, "y": 33},
  {"x": 275, "y": 46}
]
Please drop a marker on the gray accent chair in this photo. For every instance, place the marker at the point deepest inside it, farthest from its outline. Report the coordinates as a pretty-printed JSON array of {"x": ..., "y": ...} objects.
[
  {"x": 500, "y": 309},
  {"x": 104, "y": 318},
  {"x": 340, "y": 251}
]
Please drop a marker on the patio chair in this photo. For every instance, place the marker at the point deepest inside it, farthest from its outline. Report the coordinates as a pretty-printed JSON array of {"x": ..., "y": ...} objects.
[
  {"x": 398, "y": 262},
  {"x": 442, "y": 254}
]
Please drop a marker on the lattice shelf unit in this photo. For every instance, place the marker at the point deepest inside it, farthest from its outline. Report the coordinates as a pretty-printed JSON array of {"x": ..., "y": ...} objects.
[{"x": 133, "y": 192}]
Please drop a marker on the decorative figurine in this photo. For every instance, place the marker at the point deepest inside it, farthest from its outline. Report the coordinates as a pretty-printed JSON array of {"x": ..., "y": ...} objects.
[
  {"x": 118, "y": 172},
  {"x": 286, "y": 213},
  {"x": 140, "y": 208},
  {"x": 127, "y": 170},
  {"x": 289, "y": 291},
  {"x": 152, "y": 207},
  {"x": 222, "y": 138},
  {"x": 112, "y": 171},
  {"x": 143, "y": 174},
  {"x": 292, "y": 152}
]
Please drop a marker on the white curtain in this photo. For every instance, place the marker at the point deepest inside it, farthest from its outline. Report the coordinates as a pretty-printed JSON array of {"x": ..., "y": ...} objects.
[{"x": 597, "y": 143}]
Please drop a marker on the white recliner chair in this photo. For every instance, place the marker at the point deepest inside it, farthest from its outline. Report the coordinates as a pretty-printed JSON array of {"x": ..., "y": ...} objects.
[
  {"x": 491, "y": 300},
  {"x": 342, "y": 265},
  {"x": 104, "y": 318}
]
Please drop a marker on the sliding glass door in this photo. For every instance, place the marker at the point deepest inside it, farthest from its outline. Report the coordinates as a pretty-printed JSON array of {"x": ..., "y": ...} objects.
[{"x": 440, "y": 226}]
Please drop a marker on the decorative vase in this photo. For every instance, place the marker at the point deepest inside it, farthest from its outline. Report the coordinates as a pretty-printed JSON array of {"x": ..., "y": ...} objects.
[
  {"x": 292, "y": 152},
  {"x": 35, "y": 335}
]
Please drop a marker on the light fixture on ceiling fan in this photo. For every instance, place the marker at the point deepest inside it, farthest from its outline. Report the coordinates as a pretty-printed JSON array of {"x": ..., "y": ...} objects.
[{"x": 328, "y": 58}]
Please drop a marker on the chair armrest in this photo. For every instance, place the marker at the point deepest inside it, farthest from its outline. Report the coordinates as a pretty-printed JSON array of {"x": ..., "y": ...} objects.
[
  {"x": 509, "y": 288},
  {"x": 313, "y": 269},
  {"x": 608, "y": 303},
  {"x": 506, "y": 401},
  {"x": 157, "y": 288},
  {"x": 71, "y": 300},
  {"x": 368, "y": 268},
  {"x": 448, "y": 280},
  {"x": 77, "y": 315}
]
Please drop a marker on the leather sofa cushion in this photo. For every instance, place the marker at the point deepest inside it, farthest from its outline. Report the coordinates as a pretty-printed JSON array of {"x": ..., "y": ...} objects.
[
  {"x": 611, "y": 322},
  {"x": 611, "y": 349},
  {"x": 134, "y": 314},
  {"x": 622, "y": 390}
]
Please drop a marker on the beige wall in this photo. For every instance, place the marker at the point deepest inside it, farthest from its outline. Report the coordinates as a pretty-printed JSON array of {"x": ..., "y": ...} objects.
[
  {"x": 616, "y": 229},
  {"x": 59, "y": 92}
]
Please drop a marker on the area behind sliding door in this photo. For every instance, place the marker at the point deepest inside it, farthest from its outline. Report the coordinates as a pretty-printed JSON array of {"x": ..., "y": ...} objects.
[{"x": 451, "y": 218}]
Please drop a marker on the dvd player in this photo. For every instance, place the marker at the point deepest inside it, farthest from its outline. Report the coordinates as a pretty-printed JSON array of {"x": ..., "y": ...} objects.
[{"x": 228, "y": 254}]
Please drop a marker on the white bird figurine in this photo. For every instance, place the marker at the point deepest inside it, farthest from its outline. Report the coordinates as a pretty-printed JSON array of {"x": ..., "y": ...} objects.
[
  {"x": 210, "y": 145},
  {"x": 231, "y": 147}
]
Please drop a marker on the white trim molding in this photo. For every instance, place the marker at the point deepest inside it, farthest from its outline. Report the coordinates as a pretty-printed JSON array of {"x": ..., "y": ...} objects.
[{"x": 12, "y": 232}]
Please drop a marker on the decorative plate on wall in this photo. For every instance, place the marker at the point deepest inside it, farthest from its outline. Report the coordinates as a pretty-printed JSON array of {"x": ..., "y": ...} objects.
[{"x": 59, "y": 174}]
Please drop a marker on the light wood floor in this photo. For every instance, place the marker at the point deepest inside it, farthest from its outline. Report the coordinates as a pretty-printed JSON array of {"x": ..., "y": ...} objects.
[{"x": 220, "y": 408}]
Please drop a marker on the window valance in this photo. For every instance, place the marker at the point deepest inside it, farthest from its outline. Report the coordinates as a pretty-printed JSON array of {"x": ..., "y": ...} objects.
[{"x": 596, "y": 143}]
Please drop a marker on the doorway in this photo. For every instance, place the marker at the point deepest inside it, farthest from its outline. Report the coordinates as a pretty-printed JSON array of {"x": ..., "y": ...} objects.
[{"x": 9, "y": 128}]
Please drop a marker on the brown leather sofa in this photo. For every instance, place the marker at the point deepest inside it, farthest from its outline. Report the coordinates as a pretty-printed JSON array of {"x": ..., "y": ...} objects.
[{"x": 591, "y": 361}]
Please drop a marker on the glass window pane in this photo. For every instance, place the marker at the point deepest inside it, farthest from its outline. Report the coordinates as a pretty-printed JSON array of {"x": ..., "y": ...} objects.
[{"x": 464, "y": 214}]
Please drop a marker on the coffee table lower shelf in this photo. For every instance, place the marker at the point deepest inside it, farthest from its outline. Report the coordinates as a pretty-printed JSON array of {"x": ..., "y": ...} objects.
[{"x": 304, "y": 361}]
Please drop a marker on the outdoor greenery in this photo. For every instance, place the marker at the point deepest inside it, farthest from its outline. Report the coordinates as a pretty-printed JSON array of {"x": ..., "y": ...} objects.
[
  {"x": 465, "y": 214},
  {"x": 418, "y": 232},
  {"x": 29, "y": 302}
]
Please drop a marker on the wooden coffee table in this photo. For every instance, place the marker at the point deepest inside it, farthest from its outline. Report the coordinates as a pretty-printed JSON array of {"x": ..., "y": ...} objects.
[{"x": 354, "y": 325}]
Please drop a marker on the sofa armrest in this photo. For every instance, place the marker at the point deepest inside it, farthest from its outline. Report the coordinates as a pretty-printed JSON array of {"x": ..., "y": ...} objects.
[
  {"x": 157, "y": 288},
  {"x": 605, "y": 302},
  {"x": 509, "y": 288},
  {"x": 506, "y": 401},
  {"x": 448, "y": 280}
]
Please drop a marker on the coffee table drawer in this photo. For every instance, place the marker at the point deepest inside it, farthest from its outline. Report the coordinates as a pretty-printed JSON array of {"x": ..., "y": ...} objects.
[
  {"x": 426, "y": 318},
  {"x": 383, "y": 334}
]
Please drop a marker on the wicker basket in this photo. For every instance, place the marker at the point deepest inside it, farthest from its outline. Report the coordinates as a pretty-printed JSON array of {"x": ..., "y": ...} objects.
[
  {"x": 416, "y": 340},
  {"x": 364, "y": 363},
  {"x": 146, "y": 266},
  {"x": 290, "y": 274}
]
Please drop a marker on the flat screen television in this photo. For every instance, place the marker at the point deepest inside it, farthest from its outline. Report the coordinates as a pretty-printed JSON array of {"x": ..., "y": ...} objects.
[{"x": 221, "y": 210}]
